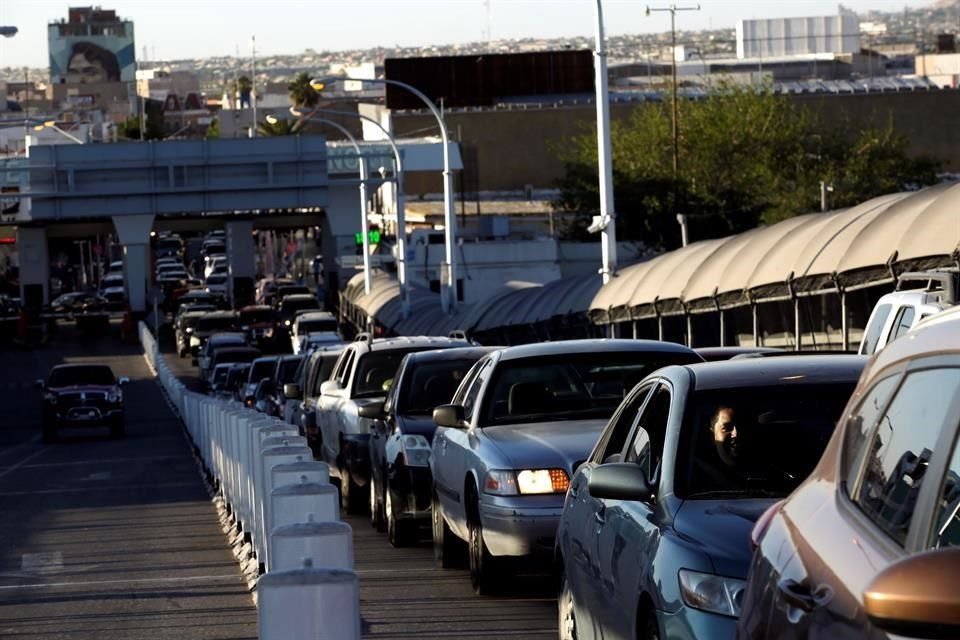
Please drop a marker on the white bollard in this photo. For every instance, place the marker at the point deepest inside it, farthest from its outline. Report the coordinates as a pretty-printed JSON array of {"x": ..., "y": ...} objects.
[
  {"x": 309, "y": 604},
  {"x": 282, "y": 452},
  {"x": 290, "y": 473},
  {"x": 328, "y": 544},
  {"x": 293, "y": 503}
]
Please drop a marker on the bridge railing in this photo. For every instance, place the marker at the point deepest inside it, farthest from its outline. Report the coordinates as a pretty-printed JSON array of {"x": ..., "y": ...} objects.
[{"x": 278, "y": 506}]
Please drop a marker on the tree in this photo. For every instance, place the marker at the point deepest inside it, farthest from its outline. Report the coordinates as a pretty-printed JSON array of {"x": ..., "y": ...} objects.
[
  {"x": 301, "y": 93},
  {"x": 747, "y": 156},
  {"x": 278, "y": 128},
  {"x": 213, "y": 131}
]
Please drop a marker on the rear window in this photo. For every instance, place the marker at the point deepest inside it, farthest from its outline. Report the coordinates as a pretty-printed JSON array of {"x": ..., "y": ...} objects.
[
  {"x": 216, "y": 324},
  {"x": 306, "y": 326},
  {"x": 261, "y": 369},
  {"x": 240, "y": 355},
  {"x": 780, "y": 432},
  {"x": 289, "y": 306},
  {"x": 217, "y": 278},
  {"x": 77, "y": 376}
]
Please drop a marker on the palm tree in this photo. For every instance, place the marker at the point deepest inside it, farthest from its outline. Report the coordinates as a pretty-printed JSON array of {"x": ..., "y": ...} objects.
[
  {"x": 277, "y": 128},
  {"x": 301, "y": 93}
]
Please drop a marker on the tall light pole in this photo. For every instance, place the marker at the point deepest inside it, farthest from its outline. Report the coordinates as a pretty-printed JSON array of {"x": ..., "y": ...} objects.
[
  {"x": 448, "y": 296},
  {"x": 606, "y": 222},
  {"x": 400, "y": 202},
  {"x": 364, "y": 225},
  {"x": 253, "y": 85},
  {"x": 675, "y": 130}
]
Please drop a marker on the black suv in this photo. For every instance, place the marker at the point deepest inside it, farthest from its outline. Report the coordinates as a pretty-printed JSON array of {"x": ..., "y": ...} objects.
[{"x": 82, "y": 395}]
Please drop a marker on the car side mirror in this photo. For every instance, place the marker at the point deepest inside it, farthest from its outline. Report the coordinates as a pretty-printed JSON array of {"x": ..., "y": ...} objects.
[
  {"x": 330, "y": 388},
  {"x": 123, "y": 381},
  {"x": 449, "y": 415},
  {"x": 371, "y": 411},
  {"x": 620, "y": 481},
  {"x": 40, "y": 384},
  {"x": 292, "y": 390},
  {"x": 917, "y": 596}
]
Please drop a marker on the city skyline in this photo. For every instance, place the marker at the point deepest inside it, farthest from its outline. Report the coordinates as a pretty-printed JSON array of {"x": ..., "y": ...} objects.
[{"x": 282, "y": 30}]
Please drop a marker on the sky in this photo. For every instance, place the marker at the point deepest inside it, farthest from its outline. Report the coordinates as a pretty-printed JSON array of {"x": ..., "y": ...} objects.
[{"x": 177, "y": 29}]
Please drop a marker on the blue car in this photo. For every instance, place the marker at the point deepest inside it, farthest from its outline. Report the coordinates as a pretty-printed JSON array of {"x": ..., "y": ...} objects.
[{"x": 654, "y": 538}]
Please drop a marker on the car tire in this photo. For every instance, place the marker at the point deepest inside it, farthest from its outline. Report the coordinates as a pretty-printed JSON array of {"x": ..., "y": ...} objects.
[
  {"x": 647, "y": 628},
  {"x": 351, "y": 499},
  {"x": 117, "y": 429},
  {"x": 566, "y": 614},
  {"x": 48, "y": 433},
  {"x": 377, "y": 519},
  {"x": 399, "y": 532},
  {"x": 482, "y": 568},
  {"x": 447, "y": 548}
]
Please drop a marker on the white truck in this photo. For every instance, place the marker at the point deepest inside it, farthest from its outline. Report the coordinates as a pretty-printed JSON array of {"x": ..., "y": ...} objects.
[{"x": 918, "y": 295}]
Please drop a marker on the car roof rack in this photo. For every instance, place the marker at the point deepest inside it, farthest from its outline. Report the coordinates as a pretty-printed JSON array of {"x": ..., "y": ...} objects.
[
  {"x": 363, "y": 336},
  {"x": 457, "y": 334},
  {"x": 946, "y": 279}
]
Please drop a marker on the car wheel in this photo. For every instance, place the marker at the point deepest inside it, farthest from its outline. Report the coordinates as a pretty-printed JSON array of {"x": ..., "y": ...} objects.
[
  {"x": 399, "y": 532},
  {"x": 351, "y": 499},
  {"x": 481, "y": 562},
  {"x": 648, "y": 629},
  {"x": 49, "y": 433},
  {"x": 447, "y": 548},
  {"x": 567, "y": 616},
  {"x": 117, "y": 429},
  {"x": 376, "y": 508}
]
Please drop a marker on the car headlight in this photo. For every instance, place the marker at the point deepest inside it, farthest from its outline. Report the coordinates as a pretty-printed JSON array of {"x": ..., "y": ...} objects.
[
  {"x": 712, "y": 593},
  {"x": 114, "y": 397},
  {"x": 502, "y": 482},
  {"x": 415, "y": 450},
  {"x": 189, "y": 329},
  {"x": 286, "y": 322},
  {"x": 50, "y": 397}
]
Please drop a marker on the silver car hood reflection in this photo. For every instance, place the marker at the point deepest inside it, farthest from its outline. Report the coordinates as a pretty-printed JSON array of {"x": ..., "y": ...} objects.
[{"x": 545, "y": 445}]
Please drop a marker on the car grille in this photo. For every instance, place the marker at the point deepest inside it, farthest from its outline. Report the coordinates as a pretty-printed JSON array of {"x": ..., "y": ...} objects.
[{"x": 78, "y": 404}]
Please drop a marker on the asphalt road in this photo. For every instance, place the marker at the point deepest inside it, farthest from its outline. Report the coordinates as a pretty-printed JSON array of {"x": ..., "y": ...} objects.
[
  {"x": 107, "y": 538},
  {"x": 403, "y": 594}
]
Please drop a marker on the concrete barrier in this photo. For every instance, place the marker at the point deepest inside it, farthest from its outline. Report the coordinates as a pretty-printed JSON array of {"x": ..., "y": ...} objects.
[{"x": 273, "y": 490}]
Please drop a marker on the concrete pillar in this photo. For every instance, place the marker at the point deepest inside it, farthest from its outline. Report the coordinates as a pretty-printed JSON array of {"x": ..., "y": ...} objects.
[
  {"x": 241, "y": 260},
  {"x": 34, "y": 263},
  {"x": 134, "y": 234}
]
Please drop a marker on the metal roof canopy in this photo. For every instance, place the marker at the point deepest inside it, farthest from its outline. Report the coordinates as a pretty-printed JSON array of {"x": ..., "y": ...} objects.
[{"x": 177, "y": 176}]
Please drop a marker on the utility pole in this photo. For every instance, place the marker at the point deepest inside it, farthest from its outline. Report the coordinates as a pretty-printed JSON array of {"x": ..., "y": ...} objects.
[{"x": 675, "y": 128}]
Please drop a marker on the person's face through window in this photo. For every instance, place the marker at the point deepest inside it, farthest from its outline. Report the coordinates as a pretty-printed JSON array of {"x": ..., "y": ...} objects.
[
  {"x": 725, "y": 434},
  {"x": 82, "y": 69}
]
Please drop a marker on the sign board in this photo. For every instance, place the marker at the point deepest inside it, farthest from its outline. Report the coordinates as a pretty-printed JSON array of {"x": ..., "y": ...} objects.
[
  {"x": 356, "y": 262},
  {"x": 372, "y": 234}
]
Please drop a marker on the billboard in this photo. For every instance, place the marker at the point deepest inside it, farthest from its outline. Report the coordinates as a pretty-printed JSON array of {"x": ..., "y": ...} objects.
[{"x": 104, "y": 54}]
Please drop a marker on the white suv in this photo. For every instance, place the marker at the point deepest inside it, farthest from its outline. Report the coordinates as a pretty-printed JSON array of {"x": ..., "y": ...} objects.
[{"x": 897, "y": 312}]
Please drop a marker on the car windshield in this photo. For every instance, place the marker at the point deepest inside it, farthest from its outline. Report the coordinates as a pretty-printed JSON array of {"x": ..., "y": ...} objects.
[
  {"x": 307, "y": 326},
  {"x": 431, "y": 384},
  {"x": 256, "y": 316},
  {"x": 261, "y": 369},
  {"x": 236, "y": 355},
  {"x": 81, "y": 375},
  {"x": 755, "y": 441},
  {"x": 375, "y": 371},
  {"x": 573, "y": 386},
  {"x": 217, "y": 278},
  {"x": 288, "y": 370}
]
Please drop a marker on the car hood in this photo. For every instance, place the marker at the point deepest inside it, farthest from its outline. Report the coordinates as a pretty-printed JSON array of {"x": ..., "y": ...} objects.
[
  {"x": 417, "y": 426},
  {"x": 82, "y": 387},
  {"x": 545, "y": 445},
  {"x": 721, "y": 528}
]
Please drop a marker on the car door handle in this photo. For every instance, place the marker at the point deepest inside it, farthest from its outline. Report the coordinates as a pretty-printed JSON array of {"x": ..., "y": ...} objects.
[
  {"x": 801, "y": 596},
  {"x": 599, "y": 517}
]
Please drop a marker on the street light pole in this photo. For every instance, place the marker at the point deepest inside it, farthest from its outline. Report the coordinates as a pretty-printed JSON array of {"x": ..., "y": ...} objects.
[
  {"x": 448, "y": 297},
  {"x": 364, "y": 225},
  {"x": 400, "y": 201},
  {"x": 253, "y": 85},
  {"x": 607, "y": 222},
  {"x": 51, "y": 124}
]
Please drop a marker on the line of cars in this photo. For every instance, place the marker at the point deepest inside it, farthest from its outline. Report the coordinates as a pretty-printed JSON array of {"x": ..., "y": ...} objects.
[{"x": 673, "y": 497}]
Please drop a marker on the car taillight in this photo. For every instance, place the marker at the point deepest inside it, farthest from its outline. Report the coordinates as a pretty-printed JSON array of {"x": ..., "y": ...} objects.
[{"x": 763, "y": 523}]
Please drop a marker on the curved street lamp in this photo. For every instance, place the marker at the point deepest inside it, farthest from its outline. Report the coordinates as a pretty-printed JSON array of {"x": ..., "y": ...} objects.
[
  {"x": 448, "y": 297},
  {"x": 52, "y": 124},
  {"x": 364, "y": 226},
  {"x": 400, "y": 200}
]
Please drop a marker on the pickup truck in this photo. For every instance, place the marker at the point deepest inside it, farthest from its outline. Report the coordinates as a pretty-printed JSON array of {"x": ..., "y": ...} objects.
[
  {"x": 918, "y": 295},
  {"x": 363, "y": 374}
]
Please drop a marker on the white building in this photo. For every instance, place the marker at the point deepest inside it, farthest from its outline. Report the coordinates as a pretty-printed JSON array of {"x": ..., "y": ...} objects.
[{"x": 798, "y": 36}]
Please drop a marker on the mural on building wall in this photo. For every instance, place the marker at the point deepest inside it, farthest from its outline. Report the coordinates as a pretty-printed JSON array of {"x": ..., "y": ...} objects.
[{"x": 100, "y": 58}]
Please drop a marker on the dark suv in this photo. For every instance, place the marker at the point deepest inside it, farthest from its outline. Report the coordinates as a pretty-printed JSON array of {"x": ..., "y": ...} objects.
[{"x": 82, "y": 395}]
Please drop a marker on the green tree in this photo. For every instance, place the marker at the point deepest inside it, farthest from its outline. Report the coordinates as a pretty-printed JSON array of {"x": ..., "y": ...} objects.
[
  {"x": 301, "y": 93},
  {"x": 213, "y": 131},
  {"x": 747, "y": 157},
  {"x": 278, "y": 128}
]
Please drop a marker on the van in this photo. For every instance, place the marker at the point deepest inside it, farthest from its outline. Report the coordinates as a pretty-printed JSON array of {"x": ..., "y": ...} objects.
[{"x": 896, "y": 313}]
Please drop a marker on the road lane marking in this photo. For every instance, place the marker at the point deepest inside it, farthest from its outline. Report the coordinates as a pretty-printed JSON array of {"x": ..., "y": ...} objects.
[
  {"x": 17, "y": 447},
  {"x": 19, "y": 464},
  {"x": 95, "y": 583}
]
